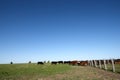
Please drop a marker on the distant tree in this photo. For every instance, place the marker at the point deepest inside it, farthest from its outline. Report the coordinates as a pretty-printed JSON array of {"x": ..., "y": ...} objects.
[
  {"x": 48, "y": 61},
  {"x": 29, "y": 62},
  {"x": 44, "y": 61},
  {"x": 11, "y": 62}
]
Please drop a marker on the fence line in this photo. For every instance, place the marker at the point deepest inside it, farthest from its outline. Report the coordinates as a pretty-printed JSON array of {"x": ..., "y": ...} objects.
[{"x": 101, "y": 63}]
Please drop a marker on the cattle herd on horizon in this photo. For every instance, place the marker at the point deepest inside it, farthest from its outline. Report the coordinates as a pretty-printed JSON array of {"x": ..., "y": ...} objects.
[
  {"x": 92, "y": 63},
  {"x": 83, "y": 63},
  {"x": 75, "y": 62},
  {"x": 79, "y": 63}
]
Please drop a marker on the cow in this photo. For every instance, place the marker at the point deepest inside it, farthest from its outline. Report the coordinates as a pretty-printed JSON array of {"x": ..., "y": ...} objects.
[
  {"x": 73, "y": 63},
  {"x": 117, "y": 61},
  {"x": 54, "y": 62},
  {"x": 83, "y": 63},
  {"x": 78, "y": 63},
  {"x": 40, "y": 63},
  {"x": 97, "y": 62},
  {"x": 60, "y": 62},
  {"x": 67, "y": 62},
  {"x": 102, "y": 62}
]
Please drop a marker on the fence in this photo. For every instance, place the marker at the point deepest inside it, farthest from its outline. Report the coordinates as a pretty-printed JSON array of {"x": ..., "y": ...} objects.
[{"x": 108, "y": 65}]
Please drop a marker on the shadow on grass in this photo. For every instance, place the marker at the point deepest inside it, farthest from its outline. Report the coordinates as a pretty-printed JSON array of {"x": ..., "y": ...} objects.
[{"x": 118, "y": 72}]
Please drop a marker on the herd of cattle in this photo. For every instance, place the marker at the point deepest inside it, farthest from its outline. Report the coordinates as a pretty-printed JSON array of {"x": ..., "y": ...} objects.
[
  {"x": 80, "y": 63},
  {"x": 83, "y": 63}
]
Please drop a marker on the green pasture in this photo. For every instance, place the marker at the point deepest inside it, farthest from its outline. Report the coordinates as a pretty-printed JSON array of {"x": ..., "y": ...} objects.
[
  {"x": 16, "y": 71},
  {"x": 55, "y": 72}
]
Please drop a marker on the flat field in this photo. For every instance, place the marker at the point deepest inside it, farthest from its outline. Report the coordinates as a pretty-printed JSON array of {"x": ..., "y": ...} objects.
[{"x": 54, "y": 72}]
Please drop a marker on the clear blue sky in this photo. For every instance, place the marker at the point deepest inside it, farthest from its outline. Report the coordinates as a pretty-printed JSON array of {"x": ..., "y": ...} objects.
[{"x": 38, "y": 30}]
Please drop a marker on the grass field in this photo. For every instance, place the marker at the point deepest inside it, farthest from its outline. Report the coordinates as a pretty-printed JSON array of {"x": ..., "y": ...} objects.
[{"x": 54, "y": 72}]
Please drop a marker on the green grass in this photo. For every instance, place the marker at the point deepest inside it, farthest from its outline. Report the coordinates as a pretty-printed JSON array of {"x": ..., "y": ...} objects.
[
  {"x": 14, "y": 71},
  {"x": 55, "y": 72},
  {"x": 117, "y": 68}
]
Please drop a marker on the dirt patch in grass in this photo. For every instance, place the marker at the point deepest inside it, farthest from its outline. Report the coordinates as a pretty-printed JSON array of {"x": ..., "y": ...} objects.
[{"x": 84, "y": 73}]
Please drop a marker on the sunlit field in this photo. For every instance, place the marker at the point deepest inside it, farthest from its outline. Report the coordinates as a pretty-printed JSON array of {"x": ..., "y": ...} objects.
[
  {"x": 28, "y": 71},
  {"x": 54, "y": 72}
]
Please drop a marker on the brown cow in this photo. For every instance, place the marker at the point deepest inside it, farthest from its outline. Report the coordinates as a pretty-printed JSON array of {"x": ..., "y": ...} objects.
[
  {"x": 117, "y": 61},
  {"x": 73, "y": 63},
  {"x": 83, "y": 63}
]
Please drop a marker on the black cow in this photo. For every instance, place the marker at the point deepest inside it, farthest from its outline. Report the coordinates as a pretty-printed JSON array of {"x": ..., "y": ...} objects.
[
  {"x": 60, "y": 62},
  {"x": 67, "y": 62},
  {"x": 40, "y": 63},
  {"x": 54, "y": 62}
]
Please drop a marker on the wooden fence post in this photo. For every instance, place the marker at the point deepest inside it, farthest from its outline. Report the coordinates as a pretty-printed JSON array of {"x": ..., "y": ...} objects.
[
  {"x": 113, "y": 66},
  {"x": 105, "y": 65},
  {"x": 100, "y": 64},
  {"x": 95, "y": 63},
  {"x": 88, "y": 63},
  {"x": 92, "y": 62}
]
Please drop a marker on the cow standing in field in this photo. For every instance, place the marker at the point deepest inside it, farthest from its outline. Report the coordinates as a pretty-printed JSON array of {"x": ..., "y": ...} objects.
[
  {"x": 40, "y": 63},
  {"x": 67, "y": 62},
  {"x": 117, "y": 61},
  {"x": 102, "y": 62},
  {"x": 73, "y": 63},
  {"x": 83, "y": 63},
  {"x": 60, "y": 62},
  {"x": 54, "y": 62}
]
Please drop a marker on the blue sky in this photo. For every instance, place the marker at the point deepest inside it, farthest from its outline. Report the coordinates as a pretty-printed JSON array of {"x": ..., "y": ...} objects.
[{"x": 38, "y": 30}]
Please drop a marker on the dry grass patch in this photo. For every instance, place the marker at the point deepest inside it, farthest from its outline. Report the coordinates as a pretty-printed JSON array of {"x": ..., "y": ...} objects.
[{"x": 85, "y": 73}]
